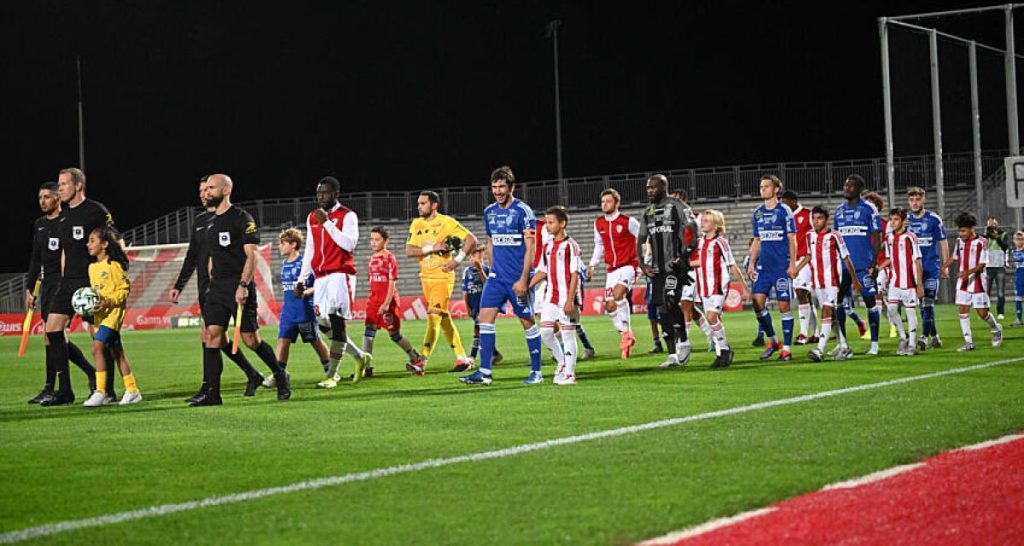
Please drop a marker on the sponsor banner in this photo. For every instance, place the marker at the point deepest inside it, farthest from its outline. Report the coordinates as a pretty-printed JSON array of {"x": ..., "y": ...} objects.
[{"x": 411, "y": 308}]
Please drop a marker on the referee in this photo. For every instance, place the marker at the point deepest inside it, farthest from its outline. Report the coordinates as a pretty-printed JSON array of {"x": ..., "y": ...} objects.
[
  {"x": 46, "y": 251},
  {"x": 78, "y": 218},
  {"x": 198, "y": 254},
  {"x": 231, "y": 239},
  {"x": 664, "y": 223}
]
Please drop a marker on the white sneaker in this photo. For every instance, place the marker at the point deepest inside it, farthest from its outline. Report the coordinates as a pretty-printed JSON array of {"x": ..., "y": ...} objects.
[
  {"x": 873, "y": 350},
  {"x": 565, "y": 380},
  {"x": 672, "y": 362},
  {"x": 96, "y": 399},
  {"x": 683, "y": 356},
  {"x": 1000, "y": 317},
  {"x": 843, "y": 353},
  {"x": 130, "y": 398},
  {"x": 835, "y": 352},
  {"x": 901, "y": 349},
  {"x": 329, "y": 382},
  {"x": 269, "y": 382},
  {"x": 997, "y": 336}
]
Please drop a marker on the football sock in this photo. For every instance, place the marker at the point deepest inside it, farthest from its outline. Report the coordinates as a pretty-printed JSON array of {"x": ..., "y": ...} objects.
[
  {"x": 368, "y": 336},
  {"x": 965, "y": 327},
  {"x": 928, "y": 319},
  {"x": 804, "y": 311},
  {"x": 487, "y": 339},
  {"x": 57, "y": 355},
  {"x": 129, "y": 383},
  {"x": 1019, "y": 305},
  {"x": 533, "y": 344},
  {"x": 764, "y": 318},
  {"x": 894, "y": 318},
  {"x": 352, "y": 349},
  {"x": 432, "y": 333},
  {"x": 547, "y": 334},
  {"x": 787, "y": 330},
  {"x": 451, "y": 333},
  {"x": 239, "y": 360},
  {"x": 622, "y": 310},
  {"x": 992, "y": 324},
  {"x": 826, "y": 331},
  {"x": 111, "y": 366},
  {"x": 912, "y": 326},
  {"x": 718, "y": 334},
  {"x": 326, "y": 364},
  {"x": 213, "y": 366},
  {"x": 874, "y": 321},
  {"x": 101, "y": 382},
  {"x": 569, "y": 349},
  {"x": 266, "y": 354},
  {"x": 583, "y": 337},
  {"x": 78, "y": 359},
  {"x": 840, "y": 320},
  {"x": 337, "y": 349},
  {"x": 476, "y": 341}
]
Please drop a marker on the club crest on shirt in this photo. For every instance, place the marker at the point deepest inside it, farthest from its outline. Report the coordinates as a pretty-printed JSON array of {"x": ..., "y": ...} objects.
[
  {"x": 53, "y": 243},
  {"x": 78, "y": 232},
  {"x": 224, "y": 238},
  {"x": 618, "y": 228}
]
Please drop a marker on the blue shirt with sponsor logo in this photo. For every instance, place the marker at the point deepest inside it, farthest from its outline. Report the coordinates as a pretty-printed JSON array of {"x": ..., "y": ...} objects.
[
  {"x": 473, "y": 284},
  {"x": 773, "y": 226},
  {"x": 857, "y": 223},
  {"x": 930, "y": 231},
  {"x": 506, "y": 228},
  {"x": 1016, "y": 259},
  {"x": 295, "y": 309}
]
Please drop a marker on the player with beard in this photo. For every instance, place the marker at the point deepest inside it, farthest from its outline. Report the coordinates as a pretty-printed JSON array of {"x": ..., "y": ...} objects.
[
  {"x": 858, "y": 222},
  {"x": 615, "y": 245},
  {"x": 196, "y": 257},
  {"x": 665, "y": 223},
  {"x": 45, "y": 258},
  {"x": 79, "y": 216},
  {"x": 231, "y": 240}
]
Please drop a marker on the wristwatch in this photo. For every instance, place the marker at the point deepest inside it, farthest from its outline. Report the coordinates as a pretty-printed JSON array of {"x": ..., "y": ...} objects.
[{"x": 243, "y": 284}]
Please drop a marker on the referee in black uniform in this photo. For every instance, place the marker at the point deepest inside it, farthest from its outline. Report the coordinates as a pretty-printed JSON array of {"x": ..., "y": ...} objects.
[
  {"x": 45, "y": 258},
  {"x": 79, "y": 216},
  {"x": 231, "y": 239},
  {"x": 664, "y": 223},
  {"x": 198, "y": 254}
]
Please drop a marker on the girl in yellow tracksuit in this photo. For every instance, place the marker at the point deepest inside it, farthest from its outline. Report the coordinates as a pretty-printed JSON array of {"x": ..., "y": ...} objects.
[{"x": 108, "y": 277}]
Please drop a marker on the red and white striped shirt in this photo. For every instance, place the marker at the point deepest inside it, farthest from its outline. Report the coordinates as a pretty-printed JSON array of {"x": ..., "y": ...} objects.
[
  {"x": 971, "y": 253},
  {"x": 560, "y": 260},
  {"x": 827, "y": 251},
  {"x": 714, "y": 257},
  {"x": 904, "y": 251}
]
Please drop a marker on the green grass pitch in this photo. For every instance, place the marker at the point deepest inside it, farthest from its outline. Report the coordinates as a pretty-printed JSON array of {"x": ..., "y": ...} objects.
[{"x": 69, "y": 463}]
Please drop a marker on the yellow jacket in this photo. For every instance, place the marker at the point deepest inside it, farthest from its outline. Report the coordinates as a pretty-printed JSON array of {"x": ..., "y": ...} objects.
[
  {"x": 423, "y": 232},
  {"x": 109, "y": 280}
]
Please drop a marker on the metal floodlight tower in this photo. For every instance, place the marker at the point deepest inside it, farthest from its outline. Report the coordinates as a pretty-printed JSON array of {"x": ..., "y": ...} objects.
[{"x": 552, "y": 32}]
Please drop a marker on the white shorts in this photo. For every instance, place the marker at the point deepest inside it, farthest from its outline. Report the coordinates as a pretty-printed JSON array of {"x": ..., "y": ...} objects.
[
  {"x": 883, "y": 281},
  {"x": 714, "y": 304},
  {"x": 803, "y": 279},
  {"x": 333, "y": 295},
  {"x": 827, "y": 296},
  {"x": 977, "y": 300},
  {"x": 550, "y": 312},
  {"x": 625, "y": 275},
  {"x": 689, "y": 292},
  {"x": 906, "y": 296},
  {"x": 538, "y": 294}
]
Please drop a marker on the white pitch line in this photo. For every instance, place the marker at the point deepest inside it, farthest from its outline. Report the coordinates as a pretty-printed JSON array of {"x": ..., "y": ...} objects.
[
  {"x": 873, "y": 477},
  {"x": 991, "y": 443},
  {"x": 319, "y": 483},
  {"x": 706, "y": 527}
]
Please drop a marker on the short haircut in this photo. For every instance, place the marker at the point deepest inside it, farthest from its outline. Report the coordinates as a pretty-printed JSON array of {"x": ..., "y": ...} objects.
[
  {"x": 660, "y": 179},
  {"x": 820, "y": 210},
  {"x": 717, "y": 219},
  {"x": 76, "y": 174},
  {"x": 856, "y": 179},
  {"x": 49, "y": 186},
  {"x": 504, "y": 173},
  {"x": 479, "y": 248},
  {"x": 915, "y": 190},
  {"x": 379, "y": 230},
  {"x": 432, "y": 196},
  {"x": 789, "y": 194},
  {"x": 681, "y": 193},
  {"x": 774, "y": 180},
  {"x": 558, "y": 211},
  {"x": 612, "y": 192},
  {"x": 1018, "y": 234},
  {"x": 966, "y": 220},
  {"x": 204, "y": 178},
  {"x": 292, "y": 235},
  {"x": 875, "y": 199},
  {"x": 899, "y": 211},
  {"x": 330, "y": 181}
]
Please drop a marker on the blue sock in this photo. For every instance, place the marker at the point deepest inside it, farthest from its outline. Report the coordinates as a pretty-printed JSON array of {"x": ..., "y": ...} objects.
[
  {"x": 856, "y": 318},
  {"x": 764, "y": 318},
  {"x": 583, "y": 337},
  {"x": 760, "y": 330},
  {"x": 928, "y": 318},
  {"x": 787, "y": 328},
  {"x": 1020, "y": 309},
  {"x": 326, "y": 364},
  {"x": 533, "y": 344},
  {"x": 487, "y": 339},
  {"x": 841, "y": 319},
  {"x": 874, "y": 319}
]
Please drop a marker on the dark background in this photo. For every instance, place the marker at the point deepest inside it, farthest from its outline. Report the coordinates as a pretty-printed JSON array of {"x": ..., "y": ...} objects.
[{"x": 432, "y": 94}]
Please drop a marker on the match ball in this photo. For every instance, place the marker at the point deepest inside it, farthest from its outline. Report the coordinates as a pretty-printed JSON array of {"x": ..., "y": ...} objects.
[{"x": 85, "y": 300}]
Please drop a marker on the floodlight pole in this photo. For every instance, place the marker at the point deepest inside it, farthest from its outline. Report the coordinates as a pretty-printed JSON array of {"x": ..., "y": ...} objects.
[
  {"x": 940, "y": 191},
  {"x": 1011, "y": 97},
  {"x": 552, "y": 32},
  {"x": 81, "y": 116},
  {"x": 890, "y": 169},
  {"x": 972, "y": 52}
]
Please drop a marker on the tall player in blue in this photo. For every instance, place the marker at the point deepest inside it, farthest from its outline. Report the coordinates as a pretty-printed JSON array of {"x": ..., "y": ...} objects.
[
  {"x": 773, "y": 264},
  {"x": 858, "y": 221},
  {"x": 511, "y": 228},
  {"x": 931, "y": 237}
]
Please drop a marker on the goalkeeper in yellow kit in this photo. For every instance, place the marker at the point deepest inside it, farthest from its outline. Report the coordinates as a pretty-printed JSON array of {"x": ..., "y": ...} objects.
[{"x": 441, "y": 243}]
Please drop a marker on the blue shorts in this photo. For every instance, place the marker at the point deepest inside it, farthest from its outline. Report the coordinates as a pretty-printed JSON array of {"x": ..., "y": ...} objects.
[
  {"x": 292, "y": 330},
  {"x": 870, "y": 287},
  {"x": 931, "y": 283},
  {"x": 108, "y": 336},
  {"x": 768, "y": 280},
  {"x": 498, "y": 291},
  {"x": 652, "y": 310}
]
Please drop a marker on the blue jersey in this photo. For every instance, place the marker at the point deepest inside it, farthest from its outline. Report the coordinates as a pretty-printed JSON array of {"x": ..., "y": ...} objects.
[
  {"x": 506, "y": 228},
  {"x": 857, "y": 224},
  {"x": 773, "y": 226},
  {"x": 295, "y": 309},
  {"x": 1015, "y": 259},
  {"x": 473, "y": 285},
  {"x": 930, "y": 231}
]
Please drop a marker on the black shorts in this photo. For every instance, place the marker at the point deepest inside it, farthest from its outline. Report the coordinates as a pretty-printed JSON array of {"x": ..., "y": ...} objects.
[
  {"x": 666, "y": 289},
  {"x": 61, "y": 302},
  {"x": 220, "y": 307},
  {"x": 47, "y": 291},
  {"x": 203, "y": 287}
]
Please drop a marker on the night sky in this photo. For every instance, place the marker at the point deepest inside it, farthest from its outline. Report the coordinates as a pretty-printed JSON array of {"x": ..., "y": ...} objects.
[{"x": 438, "y": 94}]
